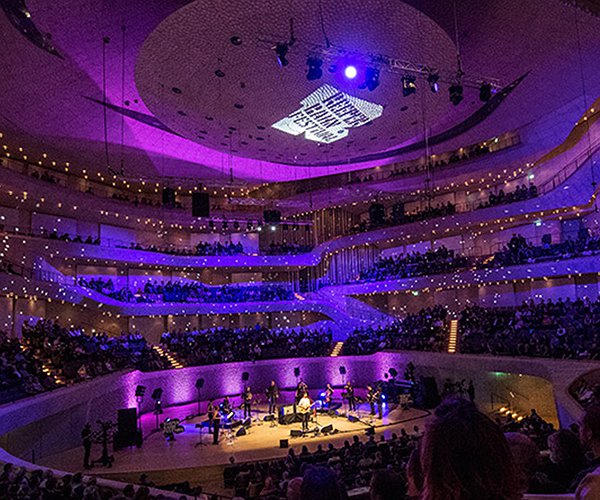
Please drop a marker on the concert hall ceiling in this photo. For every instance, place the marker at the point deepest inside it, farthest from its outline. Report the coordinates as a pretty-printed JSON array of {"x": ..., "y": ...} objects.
[{"x": 193, "y": 89}]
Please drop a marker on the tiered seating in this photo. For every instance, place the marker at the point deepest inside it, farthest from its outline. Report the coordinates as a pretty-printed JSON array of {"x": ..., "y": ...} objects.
[
  {"x": 222, "y": 345},
  {"x": 190, "y": 292}
]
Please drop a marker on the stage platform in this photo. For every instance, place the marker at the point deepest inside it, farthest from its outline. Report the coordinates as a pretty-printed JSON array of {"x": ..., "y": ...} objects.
[{"x": 193, "y": 448}]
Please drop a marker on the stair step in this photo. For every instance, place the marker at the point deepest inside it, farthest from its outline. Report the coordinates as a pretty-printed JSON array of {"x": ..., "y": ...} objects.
[
  {"x": 453, "y": 336},
  {"x": 169, "y": 356},
  {"x": 337, "y": 349}
]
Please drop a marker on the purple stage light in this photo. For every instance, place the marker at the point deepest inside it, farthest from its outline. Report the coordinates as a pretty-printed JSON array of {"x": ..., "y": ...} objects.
[{"x": 350, "y": 72}]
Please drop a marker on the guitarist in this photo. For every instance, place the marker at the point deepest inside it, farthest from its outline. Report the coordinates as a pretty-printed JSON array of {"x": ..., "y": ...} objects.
[
  {"x": 304, "y": 406},
  {"x": 272, "y": 396}
]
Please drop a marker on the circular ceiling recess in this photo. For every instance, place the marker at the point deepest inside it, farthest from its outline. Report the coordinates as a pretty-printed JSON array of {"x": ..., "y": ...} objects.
[{"x": 213, "y": 71}]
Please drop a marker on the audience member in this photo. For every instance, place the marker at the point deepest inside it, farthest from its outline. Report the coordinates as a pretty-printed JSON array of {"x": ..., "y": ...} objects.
[{"x": 464, "y": 455}]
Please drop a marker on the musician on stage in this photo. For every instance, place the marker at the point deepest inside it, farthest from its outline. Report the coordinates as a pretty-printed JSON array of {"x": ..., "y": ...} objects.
[
  {"x": 379, "y": 401},
  {"x": 304, "y": 406},
  {"x": 272, "y": 393},
  {"x": 349, "y": 390},
  {"x": 247, "y": 401},
  {"x": 300, "y": 390},
  {"x": 210, "y": 412},
  {"x": 371, "y": 398},
  {"x": 328, "y": 396},
  {"x": 216, "y": 427},
  {"x": 225, "y": 406}
]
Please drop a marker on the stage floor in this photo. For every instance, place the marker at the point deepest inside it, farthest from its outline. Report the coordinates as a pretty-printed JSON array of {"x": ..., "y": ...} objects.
[{"x": 193, "y": 448}]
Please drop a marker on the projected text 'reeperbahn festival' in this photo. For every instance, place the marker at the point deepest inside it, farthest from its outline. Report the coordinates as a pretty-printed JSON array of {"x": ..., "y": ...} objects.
[{"x": 327, "y": 114}]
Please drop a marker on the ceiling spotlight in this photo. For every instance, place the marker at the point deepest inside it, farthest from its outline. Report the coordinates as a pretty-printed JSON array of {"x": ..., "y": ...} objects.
[
  {"x": 281, "y": 50},
  {"x": 408, "y": 85},
  {"x": 350, "y": 72},
  {"x": 314, "y": 68},
  {"x": 456, "y": 93},
  {"x": 485, "y": 92},
  {"x": 371, "y": 79},
  {"x": 432, "y": 79}
]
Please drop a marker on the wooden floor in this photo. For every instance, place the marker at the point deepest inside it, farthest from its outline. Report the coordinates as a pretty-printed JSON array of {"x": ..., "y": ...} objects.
[{"x": 193, "y": 457}]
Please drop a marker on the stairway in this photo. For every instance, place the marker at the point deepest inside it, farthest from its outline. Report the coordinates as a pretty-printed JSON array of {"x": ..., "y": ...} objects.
[
  {"x": 453, "y": 336},
  {"x": 57, "y": 378},
  {"x": 337, "y": 349},
  {"x": 169, "y": 356}
]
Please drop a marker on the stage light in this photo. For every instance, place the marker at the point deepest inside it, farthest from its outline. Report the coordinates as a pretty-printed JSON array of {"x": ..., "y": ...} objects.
[
  {"x": 281, "y": 50},
  {"x": 314, "y": 71},
  {"x": 432, "y": 79},
  {"x": 371, "y": 79},
  {"x": 350, "y": 72},
  {"x": 408, "y": 85},
  {"x": 273, "y": 228},
  {"x": 485, "y": 92},
  {"x": 456, "y": 93}
]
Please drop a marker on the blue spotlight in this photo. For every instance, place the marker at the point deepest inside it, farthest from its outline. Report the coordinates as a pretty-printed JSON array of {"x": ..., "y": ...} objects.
[{"x": 350, "y": 72}]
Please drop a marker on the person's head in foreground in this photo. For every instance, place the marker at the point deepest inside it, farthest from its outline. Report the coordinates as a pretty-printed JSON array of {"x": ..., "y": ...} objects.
[
  {"x": 465, "y": 456},
  {"x": 320, "y": 483}
]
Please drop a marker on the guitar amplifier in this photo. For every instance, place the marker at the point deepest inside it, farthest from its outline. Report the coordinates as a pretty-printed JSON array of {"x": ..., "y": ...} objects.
[
  {"x": 287, "y": 414},
  {"x": 287, "y": 410}
]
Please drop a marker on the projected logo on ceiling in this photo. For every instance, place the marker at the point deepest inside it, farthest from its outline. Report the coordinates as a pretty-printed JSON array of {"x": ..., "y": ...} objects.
[{"x": 327, "y": 114}]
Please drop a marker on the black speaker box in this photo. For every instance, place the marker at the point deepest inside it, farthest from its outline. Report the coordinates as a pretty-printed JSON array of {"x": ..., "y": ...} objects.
[
  {"x": 200, "y": 205},
  {"x": 296, "y": 433},
  {"x": 241, "y": 432},
  {"x": 327, "y": 429},
  {"x": 269, "y": 418},
  {"x": 284, "y": 443},
  {"x": 352, "y": 418},
  {"x": 127, "y": 421}
]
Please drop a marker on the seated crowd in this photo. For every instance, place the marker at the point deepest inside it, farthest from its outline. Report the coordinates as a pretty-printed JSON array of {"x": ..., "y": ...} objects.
[
  {"x": 287, "y": 249},
  {"x": 74, "y": 356},
  {"x": 399, "y": 217},
  {"x": 223, "y": 345},
  {"x": 202, "y": 249},
  {"x": 21, "y": 373},
  {"x": 463, "y": 454},
  {"x": 20, "y": 483},
  {"x": 520, "y": 251},
  {"x": 440, "y": 261},
  {"x": 174, "y": 291},
  {"x": 436, "y": 261},
  {"x": 75, "y": 239},
  {"x": 557, "y": 329},
  {"x": 562, "y": 329},
  {"x": 520, "y": 193},
  {"x": 424, "y": 331}
]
